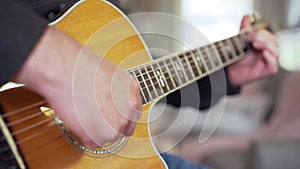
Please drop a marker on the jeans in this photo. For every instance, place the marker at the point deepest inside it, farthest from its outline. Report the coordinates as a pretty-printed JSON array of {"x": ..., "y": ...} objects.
[{"x": 175, "y": 162}]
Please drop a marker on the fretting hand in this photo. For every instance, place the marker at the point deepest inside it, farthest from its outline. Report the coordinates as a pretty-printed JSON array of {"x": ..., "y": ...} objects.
[{"x": 261, "y": 62}]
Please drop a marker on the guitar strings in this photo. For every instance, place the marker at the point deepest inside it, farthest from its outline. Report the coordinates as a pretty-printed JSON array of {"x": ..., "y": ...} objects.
[
  {"x": 36, "y": 134},
  {"x": 18, "y": 142},
  {"x": 201, "y": 74},
  {"x": 29, "y": 127},
  {"x": 42, "y": 102},
  {"x": 205, "y": 56},
  {"x": 16, "y": 122},
  {"x": 171, "y": 68},
  {"x": 32, "y": 136},
  {"x": 21, "y": 110},
  {"x": 21, "y": 120},
  {"x": 166, "y": 67},
  {"x": 175, "y": 87},
  {"x": 242, "y": 38}
]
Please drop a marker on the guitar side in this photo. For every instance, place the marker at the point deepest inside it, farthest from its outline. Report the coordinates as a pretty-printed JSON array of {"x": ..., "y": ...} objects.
[{"x": 103, "y": 29}]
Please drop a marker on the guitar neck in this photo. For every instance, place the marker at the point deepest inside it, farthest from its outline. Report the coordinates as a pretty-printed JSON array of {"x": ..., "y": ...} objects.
[{"x": 167, "y": 74}]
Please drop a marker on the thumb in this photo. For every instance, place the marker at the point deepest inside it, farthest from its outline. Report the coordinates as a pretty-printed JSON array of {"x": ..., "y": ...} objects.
[{"x": 246, "y": 22}]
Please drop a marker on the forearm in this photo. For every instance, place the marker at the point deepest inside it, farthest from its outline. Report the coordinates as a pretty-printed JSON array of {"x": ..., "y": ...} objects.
[{"x": 51, "y": 62}]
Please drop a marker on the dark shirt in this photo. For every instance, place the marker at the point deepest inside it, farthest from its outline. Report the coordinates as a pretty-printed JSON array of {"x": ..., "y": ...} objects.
[
  {"x": 19, "y": 31},
  {"x": 23, "y": 24}
]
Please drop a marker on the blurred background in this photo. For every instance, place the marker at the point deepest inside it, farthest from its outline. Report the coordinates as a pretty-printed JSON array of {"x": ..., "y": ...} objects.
[{"x": 259, "y": 129}]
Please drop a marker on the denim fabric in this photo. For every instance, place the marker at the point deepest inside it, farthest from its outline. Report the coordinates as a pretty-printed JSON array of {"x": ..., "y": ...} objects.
[{"x": 175, "y": 162}]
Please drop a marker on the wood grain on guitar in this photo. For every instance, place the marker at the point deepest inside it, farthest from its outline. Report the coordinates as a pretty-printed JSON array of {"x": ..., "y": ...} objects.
[{"x": 107, "y": 32}]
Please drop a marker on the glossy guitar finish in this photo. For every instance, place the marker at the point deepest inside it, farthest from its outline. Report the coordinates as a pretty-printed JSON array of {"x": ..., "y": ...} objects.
[
  {"x": 44, "y": 145},
  {"x": 42, "y": 139}
]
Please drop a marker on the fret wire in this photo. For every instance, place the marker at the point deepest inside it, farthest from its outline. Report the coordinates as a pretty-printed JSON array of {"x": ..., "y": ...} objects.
[
  {"x": 144, "y": 100},
  {"x": 237, "y": 43},
  {"x": 182, "y": 76},
  {"x": 189, "y": 65},
  {"x": 213, "y": 64},
  {"x": 161, "y": 79},
  {"x": 202, "y": 61},
  {"x": 150, "y": 79},
  {"x": 232, "y": 51},
  {"x": 162, "y": 71},
  {"x": 227, "y": 51},
  {"x": 193, "y": 63},
  {"x": 167, "y": 67},
  {"x": 243, "y": 39},
  {"x": 206, "y": 59},
  {"x": 182, "y": 68},
  {"x": 153, "y": 83},
  {"x": 202, "y": 75},
  {"x": 221, "y": 52},
  {"x": 140, "y": 74},
  {"x": 234, "y": 46},
  {"x": 225, "y": 54},
  {"x": 174, "y": 59},
  {"x": 242, "y": 42},
  {"x": 181, "y": 63},
  {"x": 146, "y": 85},
  {"x": 199, "y": 62},
  {"x": 186, "y": 67},
  {"x": 224, "y": 51},
  {"x": 157, "y": 80},
  {"x": 216, "y": 57},
  {"x": 203, "y": 58},
  {"x": 178, "y": 86},
  {"x": 166, "y": 74},
  {"x": 163, "y": 76},
  {"x": 246, "y": 44},
  {"x": 196, "y": 63}
]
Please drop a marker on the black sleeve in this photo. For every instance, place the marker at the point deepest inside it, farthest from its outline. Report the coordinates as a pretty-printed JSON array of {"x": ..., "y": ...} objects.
[
  {"x": 19, "y": 31},
  {"x": 205, "y": 92}
]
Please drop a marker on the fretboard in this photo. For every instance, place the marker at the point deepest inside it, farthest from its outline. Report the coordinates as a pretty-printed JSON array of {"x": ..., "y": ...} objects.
[{"x": 167, "y": 74}]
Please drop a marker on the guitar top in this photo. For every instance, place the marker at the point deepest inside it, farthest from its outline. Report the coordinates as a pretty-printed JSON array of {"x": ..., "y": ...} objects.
[
  {"x": 40, "y": 138},
  {"x": 32, "y": 136}
]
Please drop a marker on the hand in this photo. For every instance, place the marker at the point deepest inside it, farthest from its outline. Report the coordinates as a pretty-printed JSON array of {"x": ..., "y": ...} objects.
[
  {"x": 259, "y": 63},
  {"x": 95, "y": 99}
]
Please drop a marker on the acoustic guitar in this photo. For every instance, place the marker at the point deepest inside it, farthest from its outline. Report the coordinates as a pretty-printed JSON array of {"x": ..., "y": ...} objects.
[{"x": 32, "y": 136}]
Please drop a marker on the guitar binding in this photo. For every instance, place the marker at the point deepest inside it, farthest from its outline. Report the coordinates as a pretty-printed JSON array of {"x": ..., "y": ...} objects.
[{"x": 103, "y": 152}]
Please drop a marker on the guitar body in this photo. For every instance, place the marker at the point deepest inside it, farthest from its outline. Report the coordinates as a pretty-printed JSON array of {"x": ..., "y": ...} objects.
[{"x": 43, "y": 144}]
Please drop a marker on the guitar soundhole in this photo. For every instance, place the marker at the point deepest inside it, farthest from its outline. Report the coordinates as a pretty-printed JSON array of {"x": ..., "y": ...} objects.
[{"x": 103, "y": 152}]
